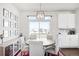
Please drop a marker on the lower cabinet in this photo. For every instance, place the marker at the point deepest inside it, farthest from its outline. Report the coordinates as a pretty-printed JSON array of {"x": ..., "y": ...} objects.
[
  {"x": 68, "y": 41},
  {"x": 19, "y": 54},
  {"x": 11, "y": 48}
]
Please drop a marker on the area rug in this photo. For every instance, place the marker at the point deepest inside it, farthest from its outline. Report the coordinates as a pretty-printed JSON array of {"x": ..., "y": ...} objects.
[{"x": 60, "y": 53}]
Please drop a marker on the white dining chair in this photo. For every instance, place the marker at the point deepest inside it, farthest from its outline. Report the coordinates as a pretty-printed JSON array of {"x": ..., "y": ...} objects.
[
  {"x": 49, "y": 37},
  {"x": 36, "y": 48},
  {"x": 33, "y": 36},
  {"x": 50, "y": 50}
]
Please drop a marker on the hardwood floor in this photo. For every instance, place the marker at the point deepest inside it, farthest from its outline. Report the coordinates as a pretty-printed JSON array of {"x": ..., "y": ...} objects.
[{"x": 70, "y": 51}]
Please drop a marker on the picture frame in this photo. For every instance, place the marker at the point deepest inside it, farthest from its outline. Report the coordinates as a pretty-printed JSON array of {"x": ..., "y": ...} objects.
[
  {"x": 5, "y": 33},
  {"x": 5, "y": 12},
  {"x": 15, "y": 32},
  {"x": 5, "y": 23},
  {"x": 12, "y": 33},
  {"x": 15, "y": 25},
  {"x": 10, "y": 24},
  {"x": 12, "y": 16},
  {"x": 15, "y": 18}
]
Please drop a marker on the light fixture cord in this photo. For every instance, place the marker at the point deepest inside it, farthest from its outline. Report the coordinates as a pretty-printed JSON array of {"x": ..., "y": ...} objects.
[{"x": 40, "y": 6}]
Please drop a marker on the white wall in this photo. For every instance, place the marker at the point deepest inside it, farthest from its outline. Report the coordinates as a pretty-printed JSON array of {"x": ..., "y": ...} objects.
[{"x": 77, "y": 23}]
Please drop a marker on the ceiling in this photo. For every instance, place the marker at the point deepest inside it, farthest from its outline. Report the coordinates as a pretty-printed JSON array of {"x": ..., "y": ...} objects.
[{"x": 46, "y": 6}]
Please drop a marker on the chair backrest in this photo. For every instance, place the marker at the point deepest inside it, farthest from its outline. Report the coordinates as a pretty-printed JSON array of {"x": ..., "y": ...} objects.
[
  {"x": 49, "y": 36},
  {"x": 32, "y": 36},
  {"x": 36, "y": 48}
]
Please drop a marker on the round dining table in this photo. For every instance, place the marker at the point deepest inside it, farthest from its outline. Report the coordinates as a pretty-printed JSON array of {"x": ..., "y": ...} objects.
[{"x": 46, "y": 42}]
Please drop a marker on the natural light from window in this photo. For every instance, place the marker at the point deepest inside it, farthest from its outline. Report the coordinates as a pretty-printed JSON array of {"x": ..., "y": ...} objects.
[
  {"x": 36, "y": 26},
  {"x": 39, "y": 27}
]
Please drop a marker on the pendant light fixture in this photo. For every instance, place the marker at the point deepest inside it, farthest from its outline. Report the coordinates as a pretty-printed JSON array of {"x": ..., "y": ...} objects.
[{"x": 40, "y": 14}]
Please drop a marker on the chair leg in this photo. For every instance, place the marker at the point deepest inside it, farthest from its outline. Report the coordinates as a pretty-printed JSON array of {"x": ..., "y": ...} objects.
[{"x": 46, "y": 54}]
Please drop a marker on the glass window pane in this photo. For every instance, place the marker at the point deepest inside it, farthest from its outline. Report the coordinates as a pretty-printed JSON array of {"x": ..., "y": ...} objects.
[
  {"x": 32, "y": 18},
  {"x": 47, "y": 17},
  {"x": 34, "y": 26},
  {"x": 44, "y": 26}
]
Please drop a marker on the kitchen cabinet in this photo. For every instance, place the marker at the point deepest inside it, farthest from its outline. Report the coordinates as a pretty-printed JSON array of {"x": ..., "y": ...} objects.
[
  {"x": 66, "y": 21},
  {"x": 68, "y": 41}
]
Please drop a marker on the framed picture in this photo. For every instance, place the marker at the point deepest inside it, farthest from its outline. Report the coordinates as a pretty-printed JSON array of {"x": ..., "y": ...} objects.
[
  {"x": 6, "y": 33},
  {"x": 5, "y": 12},
  {"x": 15, "y": 32},
  {"x": 12, "y": 16},
  {"x": 12, "y": 24},
  {"x": 15, "y": 17},
  {"x": 15, "y": 25},
  {"x": 5, "y": 23},
  {"x": 12, "y": 33}
]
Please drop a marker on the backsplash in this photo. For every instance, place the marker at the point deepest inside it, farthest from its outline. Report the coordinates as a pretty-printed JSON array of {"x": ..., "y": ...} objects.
[{"x": 67, "y": 32}]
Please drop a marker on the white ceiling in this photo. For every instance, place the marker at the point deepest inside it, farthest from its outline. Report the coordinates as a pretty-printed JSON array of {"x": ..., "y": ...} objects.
[{"x": 46, "y": 6}]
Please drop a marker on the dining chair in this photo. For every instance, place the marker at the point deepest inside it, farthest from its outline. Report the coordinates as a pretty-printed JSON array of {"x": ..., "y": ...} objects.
[
  {"x": 33, "y": 36},
  {"x": 50, "y": 51},
  {"x": 36, "y": 48},
  {"x": 49, "y": 37}
]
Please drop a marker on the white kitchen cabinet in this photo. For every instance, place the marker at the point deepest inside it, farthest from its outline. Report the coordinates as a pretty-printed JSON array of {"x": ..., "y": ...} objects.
[
  {"x": 63, "y": 42},
  {"x": 66, "y": 21},
  {"x": 68, "y": 41},
  {"x": 73, "y": 41}
]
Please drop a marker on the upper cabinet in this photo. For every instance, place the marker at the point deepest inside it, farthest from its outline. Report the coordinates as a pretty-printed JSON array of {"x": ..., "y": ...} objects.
[{"x": 66, "y": 21}]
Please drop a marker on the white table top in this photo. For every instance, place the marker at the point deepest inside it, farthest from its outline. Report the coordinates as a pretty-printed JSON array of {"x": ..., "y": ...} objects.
[{"x": 46, "y": 42}]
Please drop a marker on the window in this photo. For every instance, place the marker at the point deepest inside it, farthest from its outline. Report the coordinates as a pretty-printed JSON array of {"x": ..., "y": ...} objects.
[
  {"x": 36, "y": 26},
  {"x": 45, "y": 26}
]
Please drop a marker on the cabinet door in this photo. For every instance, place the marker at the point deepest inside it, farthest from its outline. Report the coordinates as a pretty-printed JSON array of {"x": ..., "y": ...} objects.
[
  {"x": 62, "y": 21},
  {"x": 59, "y": 42},
  {"x": 66, "y": 42},
  {"x": 66, "y": 21},
  {"x": 63, "y": 42},
  {"x": 60, "y": 37},
  {"x": 71, "y": 21},
  {"x": 74, "y": 42}
]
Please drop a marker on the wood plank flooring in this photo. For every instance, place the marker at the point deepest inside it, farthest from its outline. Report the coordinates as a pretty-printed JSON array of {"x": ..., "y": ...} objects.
[{"x": 70, "y": 51}]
